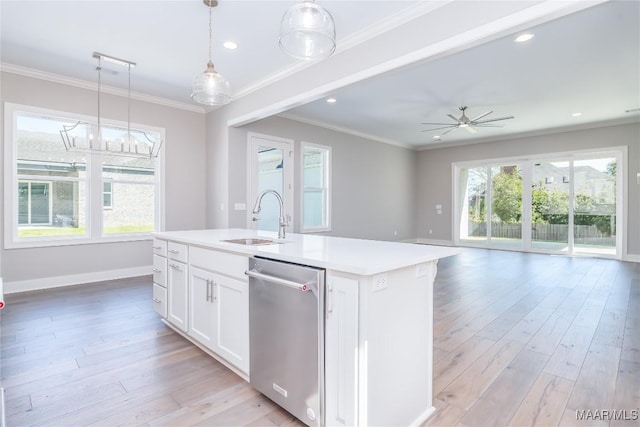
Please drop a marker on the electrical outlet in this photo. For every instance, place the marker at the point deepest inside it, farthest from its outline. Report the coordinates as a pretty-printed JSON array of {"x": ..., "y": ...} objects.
[
  {"x": 380, "y": 282},
  {"x": 421, "y": 270},
  {"x": 430, "y": 231}
]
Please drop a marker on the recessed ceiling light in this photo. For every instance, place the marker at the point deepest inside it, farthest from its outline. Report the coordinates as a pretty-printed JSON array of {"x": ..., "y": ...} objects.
[
  {"x": 436, "y": 137},
  {"x": 230, "y": 45},
  {"x": 524, "y": 37},
  {"x": 577, "y": 114},
  {"x": 331, "y": 100}
]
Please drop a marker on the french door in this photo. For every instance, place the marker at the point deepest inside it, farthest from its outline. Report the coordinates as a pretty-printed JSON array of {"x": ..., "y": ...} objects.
[
  {"x": 270, "y": 167},
  {"x": 562, "y": 204}
]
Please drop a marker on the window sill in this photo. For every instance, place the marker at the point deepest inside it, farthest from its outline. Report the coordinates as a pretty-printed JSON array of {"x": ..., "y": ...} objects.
[{"x": 73, "y": 241}]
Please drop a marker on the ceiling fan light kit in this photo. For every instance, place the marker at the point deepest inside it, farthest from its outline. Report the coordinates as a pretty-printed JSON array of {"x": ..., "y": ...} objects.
[
  {"x": 210, "y": 87},
  {"x": 465, "y": 122},
  {"x": 307, "y": 31}
]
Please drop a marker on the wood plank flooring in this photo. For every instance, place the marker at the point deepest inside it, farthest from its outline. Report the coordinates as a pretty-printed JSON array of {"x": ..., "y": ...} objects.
[{"x": 519, "y": 339}]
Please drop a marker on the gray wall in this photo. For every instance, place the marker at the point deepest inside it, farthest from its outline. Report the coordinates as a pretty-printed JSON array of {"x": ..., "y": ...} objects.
[
  {"x": 435, "y": 176},
  {"x": 373, "y": 184},
  {"x": 185, "y": 183}
]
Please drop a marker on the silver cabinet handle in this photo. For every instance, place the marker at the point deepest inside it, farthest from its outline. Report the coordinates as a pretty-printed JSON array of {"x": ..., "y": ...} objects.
[
  {"x": 157, "y": 270},
  {"x": 156, "y": 300},
  {"x": 214, "y": 285},
  {"x": 157, "y": 247},
  {"x": 175, "y": 267},
  {"x": 301, "y": 286},
  {"x": 174, "y": 251},
  {"x": 330, "y": 302},
  {"x": 208, "y": 290}
]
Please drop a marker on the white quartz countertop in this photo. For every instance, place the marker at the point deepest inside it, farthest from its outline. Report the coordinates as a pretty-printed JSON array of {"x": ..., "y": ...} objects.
[{"x": 357, "y": 256}]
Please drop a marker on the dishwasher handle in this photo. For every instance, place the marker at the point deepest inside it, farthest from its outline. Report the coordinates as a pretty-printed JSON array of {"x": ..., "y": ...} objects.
[{"x": 304, "y": 287}]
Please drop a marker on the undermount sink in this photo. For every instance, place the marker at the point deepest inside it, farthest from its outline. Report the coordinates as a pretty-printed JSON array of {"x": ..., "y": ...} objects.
[{"x": 252, "y": 241}]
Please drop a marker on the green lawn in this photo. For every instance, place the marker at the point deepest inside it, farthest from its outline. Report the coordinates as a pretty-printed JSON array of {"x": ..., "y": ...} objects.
[{"x": 72, "y": 231}]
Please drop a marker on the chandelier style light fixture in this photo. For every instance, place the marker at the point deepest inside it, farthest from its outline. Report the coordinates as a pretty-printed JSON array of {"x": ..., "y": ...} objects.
[
  {"x": 110, "y": 139},
  {"x": 307, "y": 31},
  {"x": 209, "y": 87}
]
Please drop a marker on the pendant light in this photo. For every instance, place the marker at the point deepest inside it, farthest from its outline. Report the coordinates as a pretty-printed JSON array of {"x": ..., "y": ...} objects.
[
  {"x": 209, "y": 87},
  {"x": 307, "y": 31},
  {"x": 132, "y": 142}
]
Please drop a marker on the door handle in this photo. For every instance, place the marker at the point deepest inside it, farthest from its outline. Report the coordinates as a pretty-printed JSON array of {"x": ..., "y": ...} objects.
[{"x": 156, "y": 300}]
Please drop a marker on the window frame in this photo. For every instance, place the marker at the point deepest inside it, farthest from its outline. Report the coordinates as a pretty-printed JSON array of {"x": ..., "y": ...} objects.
[
  {"x": 326, "y": 188},
  {"x": 94, "y": 183}
]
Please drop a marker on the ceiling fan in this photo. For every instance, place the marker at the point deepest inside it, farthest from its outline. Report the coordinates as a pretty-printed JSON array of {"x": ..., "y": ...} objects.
[{"x": 466, "y": 123}]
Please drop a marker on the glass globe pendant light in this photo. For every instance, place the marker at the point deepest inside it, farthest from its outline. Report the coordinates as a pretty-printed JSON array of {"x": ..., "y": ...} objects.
[
  {"x": 307, "y": 31},
  {"x": 209, "y": 87}
]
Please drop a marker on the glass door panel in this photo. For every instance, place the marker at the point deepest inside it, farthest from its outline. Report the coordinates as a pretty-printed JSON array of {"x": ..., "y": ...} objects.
[
  {"x": 550, "y": 206},
  {"x": 506, "y": 205},
  {"x": 473, "y": 215},
  {"x": 594, "y": 206},
  {"x": 270, "y": 177}
]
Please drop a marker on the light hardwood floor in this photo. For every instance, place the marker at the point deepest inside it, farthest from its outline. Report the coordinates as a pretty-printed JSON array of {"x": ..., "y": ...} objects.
[{"x": 519, "y": 339}]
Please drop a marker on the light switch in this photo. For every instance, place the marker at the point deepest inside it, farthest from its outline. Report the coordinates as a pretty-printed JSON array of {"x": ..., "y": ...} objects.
[{"x": 439, "y": 206}]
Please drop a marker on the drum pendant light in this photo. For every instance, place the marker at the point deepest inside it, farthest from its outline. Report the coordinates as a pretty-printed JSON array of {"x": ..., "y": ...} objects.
[
  {"x": 307, "y": 31},
  {"x": 209, "y": 87}
]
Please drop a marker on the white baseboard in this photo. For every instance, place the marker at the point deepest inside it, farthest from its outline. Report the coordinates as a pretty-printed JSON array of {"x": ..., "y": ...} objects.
[
  {"x": 74, "y": 279},
  {"x": 423, "y": 417},
  {"x": 434, "y": 242},
  {"x": 631, "y": 258}
]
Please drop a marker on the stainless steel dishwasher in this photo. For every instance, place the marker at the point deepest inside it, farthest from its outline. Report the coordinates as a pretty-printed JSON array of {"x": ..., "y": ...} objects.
[{"x": 286, "y": 327}]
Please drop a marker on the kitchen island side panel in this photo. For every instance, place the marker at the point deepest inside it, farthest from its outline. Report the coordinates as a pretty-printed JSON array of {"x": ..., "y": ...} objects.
[{"x": 396, "y": 345}]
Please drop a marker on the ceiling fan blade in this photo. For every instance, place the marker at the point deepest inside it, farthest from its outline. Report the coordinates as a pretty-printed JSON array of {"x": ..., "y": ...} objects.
[
  {"x": 493, "y": 120},
  {"x": 481, "y": 116},
  {"x": 447, "y": 131},
  {"x": 444, "y": 127},
  {"x": 441, "y": 124},
  {"x": 470, "y": 129},
  {"x": 457, "y": 120},
  {"x": 483, "y": 125}
]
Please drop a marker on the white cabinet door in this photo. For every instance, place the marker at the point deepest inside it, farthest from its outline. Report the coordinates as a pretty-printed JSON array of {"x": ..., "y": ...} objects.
[
  {"x": 232, "y": 320},
  {"x": 201, "y": 306},
  {"x": 341, "y": 355},
  {"x": 178, "y": 302}
]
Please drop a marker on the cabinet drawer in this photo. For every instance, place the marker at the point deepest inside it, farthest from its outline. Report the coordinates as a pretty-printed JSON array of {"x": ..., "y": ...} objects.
[
  {"x": 160, "y": 270},
  {"x": 160, "y": 247},
  {"x": 178, "y": 252},
  {"x": 160, "y": 300},
  {"x": 221, "y": 262}
]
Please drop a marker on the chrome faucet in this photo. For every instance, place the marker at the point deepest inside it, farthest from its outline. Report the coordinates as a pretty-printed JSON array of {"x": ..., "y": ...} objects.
[{"x": 256, "y": 210}]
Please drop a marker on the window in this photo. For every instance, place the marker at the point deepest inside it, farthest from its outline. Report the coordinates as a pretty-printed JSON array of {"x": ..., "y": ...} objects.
[
  {"x": 107, "y": 194},
  {"x": 316, "y": 213},
  {"x": 59, "y": 196}
]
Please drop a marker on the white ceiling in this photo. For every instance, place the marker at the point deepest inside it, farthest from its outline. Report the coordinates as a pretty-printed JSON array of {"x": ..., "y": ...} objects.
[{"x": 587, "y": 61}]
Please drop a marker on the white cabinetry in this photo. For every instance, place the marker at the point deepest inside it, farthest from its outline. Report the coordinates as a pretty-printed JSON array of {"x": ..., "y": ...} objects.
[
  {"x": 160, "y": 277},
  {"x": 341, "y": 351},
  {"x": 177, "y": 289},
  {"x": 219, "y": 304}
]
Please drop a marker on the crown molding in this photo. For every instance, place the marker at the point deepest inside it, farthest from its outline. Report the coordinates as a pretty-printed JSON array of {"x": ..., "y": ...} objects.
[
  {"x": 529, "y": 134},
  {"x": 345, "y": 130},
  {"x": 84, "y": 84}
]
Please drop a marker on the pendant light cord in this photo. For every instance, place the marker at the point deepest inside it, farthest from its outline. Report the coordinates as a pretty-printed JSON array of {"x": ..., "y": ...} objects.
[
  {"x": 129, "y": 109},
  {"x": 99, "y": 84},
  {"x": 210, "y": 32}
]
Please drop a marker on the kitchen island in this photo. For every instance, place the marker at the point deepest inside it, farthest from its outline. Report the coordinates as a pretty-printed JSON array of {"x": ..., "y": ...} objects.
[{"x": 378, "y": 317}]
